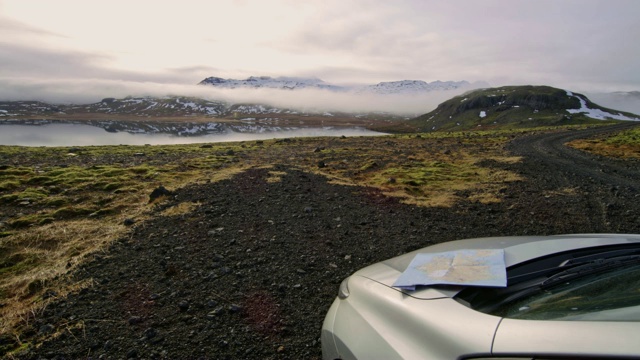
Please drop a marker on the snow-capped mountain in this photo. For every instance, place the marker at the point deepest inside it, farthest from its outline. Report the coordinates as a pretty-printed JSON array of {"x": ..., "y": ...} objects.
[
  {"x": 411, "y": 86},
  {"x": 138, "y": 106},
  {"x": 168, "y": 105},
  {"x": 20, "y": 108},
  {"x": 282, "y": 82},
  {"x": 384, "y": 88}
]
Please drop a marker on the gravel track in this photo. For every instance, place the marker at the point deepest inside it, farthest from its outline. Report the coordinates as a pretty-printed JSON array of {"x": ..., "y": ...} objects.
[
  {"x": 250, "y": 273},
  {"x": 549, "y": 151}
]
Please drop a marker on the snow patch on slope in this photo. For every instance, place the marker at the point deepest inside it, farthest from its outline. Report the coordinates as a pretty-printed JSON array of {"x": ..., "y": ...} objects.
[{"x": 596, "y": 113}]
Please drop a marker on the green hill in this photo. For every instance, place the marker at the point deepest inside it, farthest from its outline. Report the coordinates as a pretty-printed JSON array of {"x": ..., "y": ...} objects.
[{"x": 516, "y": 106}]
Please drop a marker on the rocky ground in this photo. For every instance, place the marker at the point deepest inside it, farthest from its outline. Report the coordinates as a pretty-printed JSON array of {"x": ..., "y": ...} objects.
[{"x": 251, "y": 271}]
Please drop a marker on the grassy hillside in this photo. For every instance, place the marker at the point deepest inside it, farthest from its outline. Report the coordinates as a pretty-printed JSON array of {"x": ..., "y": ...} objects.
[{"x": 511, "y": 107}]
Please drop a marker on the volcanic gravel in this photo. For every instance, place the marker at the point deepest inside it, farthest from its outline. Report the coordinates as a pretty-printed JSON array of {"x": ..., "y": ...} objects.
[{"x": 251, "y": 272}]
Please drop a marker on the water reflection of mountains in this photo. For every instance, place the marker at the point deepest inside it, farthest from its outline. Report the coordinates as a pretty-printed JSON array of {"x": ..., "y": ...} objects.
[
  {"x": 181, "y": 128},
  {"x": 86, "y": 133}
]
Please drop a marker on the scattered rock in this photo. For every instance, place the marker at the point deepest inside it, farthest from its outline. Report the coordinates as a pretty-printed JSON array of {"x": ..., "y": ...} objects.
[
  {"x": 150, "y": 333},
  {"x": 132, "y": 354},
  {"x": 108, "y": 345},
  {"x": 46, "y": 329},
  {"x": 128, "y": 222},
  {"x": 216, "y": 312},
  {"x": 183, "y": 305},
  {"x": 158, "y": 192},
  {"x": 135, "y": 320},
  {"x": 48, "y": 294}
]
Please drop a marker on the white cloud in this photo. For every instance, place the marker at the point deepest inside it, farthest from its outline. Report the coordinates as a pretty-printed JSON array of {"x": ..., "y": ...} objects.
[
  {"x": 583, "y": 45},
  {"x": 83, "y": 91}
]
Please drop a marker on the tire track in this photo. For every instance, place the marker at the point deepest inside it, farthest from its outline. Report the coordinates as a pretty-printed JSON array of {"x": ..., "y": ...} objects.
[
  {"x": 571, "y": 166},
  {"x": 607, "y": 185}
]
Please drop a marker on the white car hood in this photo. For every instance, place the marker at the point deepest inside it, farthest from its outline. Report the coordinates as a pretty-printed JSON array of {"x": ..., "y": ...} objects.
[{"x": 517, "y": 250}]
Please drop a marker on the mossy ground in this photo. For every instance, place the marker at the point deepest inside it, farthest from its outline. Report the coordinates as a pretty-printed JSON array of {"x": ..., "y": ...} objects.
[
  {"x": 62, "y": 205},
  {"x": 625, "y": 145}
]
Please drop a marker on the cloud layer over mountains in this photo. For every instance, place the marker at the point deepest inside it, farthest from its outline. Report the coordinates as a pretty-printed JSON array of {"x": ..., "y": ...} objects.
[{"x": 94, "y": 90}]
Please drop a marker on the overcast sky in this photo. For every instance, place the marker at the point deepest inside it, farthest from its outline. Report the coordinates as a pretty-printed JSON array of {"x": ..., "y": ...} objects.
[{"x": 69, "y": 48}]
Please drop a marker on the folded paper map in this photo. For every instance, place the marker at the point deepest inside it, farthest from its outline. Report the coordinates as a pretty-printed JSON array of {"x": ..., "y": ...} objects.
[{"x": 483, "y": 267}]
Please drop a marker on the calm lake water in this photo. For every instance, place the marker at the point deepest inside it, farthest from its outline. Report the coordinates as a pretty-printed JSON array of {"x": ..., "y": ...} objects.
[{"x": 85, "y": 135}]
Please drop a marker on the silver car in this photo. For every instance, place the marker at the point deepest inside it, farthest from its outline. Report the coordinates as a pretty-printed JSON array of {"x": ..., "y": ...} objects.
[{"x": 566, "y": 297}]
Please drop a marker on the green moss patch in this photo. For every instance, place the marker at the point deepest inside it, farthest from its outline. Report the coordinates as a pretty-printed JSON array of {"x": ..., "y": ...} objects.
[{"x": 9, "y": 185}]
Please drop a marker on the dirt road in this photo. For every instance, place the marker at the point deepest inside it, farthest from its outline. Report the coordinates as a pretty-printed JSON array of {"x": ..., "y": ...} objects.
[
  {"x": 607, "y": 189},
  {"x": 251, "y": 271},
  {"x": 548, "y": 151}
]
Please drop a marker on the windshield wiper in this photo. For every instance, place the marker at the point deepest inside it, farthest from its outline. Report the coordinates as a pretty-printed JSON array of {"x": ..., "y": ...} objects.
[
  {"x": 572, "y": 262},
  {"x": 591, "y": 267},
  {"x": 574, "y": 271}
]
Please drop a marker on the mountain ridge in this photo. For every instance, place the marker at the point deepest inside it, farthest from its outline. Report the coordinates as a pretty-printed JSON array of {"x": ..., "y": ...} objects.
[
  {"x": 516, "y": 106},
  {"x": 504, "y": 107},
  {"x": 296, "y": 83}
]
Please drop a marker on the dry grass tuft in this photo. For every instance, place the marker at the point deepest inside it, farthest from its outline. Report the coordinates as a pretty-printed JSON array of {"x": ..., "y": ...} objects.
[
  {"x": 621, "y": 151},
  {"x": 48, "y": 252},
  {"x": 561, "y": 192},
  {"x": 433, "y": 199},
  {"x": 180, "y": 209},
  {"x": 507, "y": 159},
  {"x": 275, "y": 176},
  {"x": 623, "y": 145}
]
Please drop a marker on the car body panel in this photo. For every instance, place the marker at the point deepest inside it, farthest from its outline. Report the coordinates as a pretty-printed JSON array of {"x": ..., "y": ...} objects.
[
  {"x": 576, "y": 338},
  {"x": 393, "y": 326}
]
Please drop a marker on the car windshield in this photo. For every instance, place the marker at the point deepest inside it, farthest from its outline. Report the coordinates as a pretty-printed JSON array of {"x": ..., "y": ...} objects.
[
  {"x": 613, "y": 295},
  {"x": 600, "y": 289}
]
